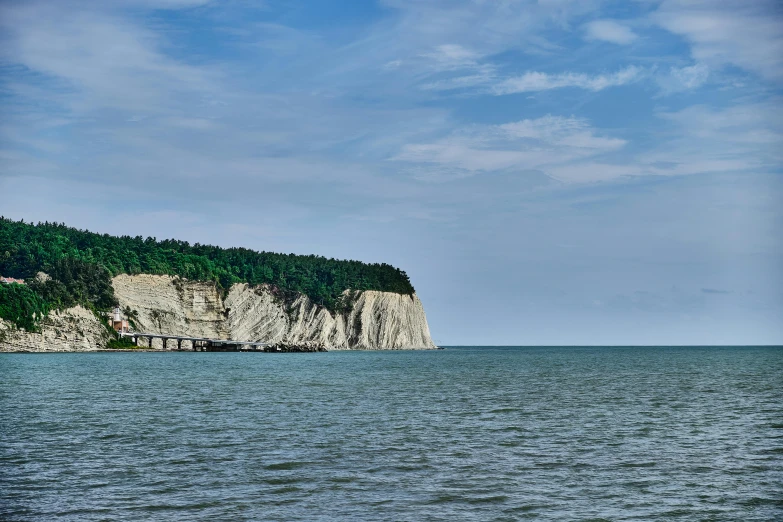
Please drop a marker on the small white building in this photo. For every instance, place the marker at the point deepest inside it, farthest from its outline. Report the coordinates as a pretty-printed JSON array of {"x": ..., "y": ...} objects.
[{"x": 117, "y": 322}]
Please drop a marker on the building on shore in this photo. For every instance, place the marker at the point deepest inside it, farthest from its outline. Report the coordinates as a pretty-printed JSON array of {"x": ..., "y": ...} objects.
[
  {"x": 117, "y": 322},
  {"x": 9, "y": 280}
]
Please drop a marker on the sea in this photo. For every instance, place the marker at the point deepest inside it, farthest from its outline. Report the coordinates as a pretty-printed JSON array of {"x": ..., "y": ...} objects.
[{"x": 465, "y": 433}]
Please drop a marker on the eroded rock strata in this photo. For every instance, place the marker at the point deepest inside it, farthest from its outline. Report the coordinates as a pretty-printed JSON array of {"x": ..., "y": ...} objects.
[
  {"x": 73, "y": 330},
  {"x": 170, "y": 305}
]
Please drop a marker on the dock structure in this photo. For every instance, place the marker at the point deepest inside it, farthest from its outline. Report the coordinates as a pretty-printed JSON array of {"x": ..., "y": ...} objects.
[{"x": 197, "y": 344}]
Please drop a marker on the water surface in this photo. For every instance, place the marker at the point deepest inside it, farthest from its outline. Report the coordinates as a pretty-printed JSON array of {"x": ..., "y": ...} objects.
[{"x": 458, "y": 434}]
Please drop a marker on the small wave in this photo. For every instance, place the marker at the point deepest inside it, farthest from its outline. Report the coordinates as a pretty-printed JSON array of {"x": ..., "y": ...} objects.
[
  {"x": 512, "y": 428},
  {"x": 273, "y": 481},
  {"x": 488, "y": 500},
  {"x": 343, "y": 480},
  {"x": 175, "y": 507},
  {"x": 284, "y": 490},
  {"x": 638, "y": 464},
  {"x": 444, "y": 499},
  {"x": 411, "y": 468},
  {"x": 282, "y": 466},
  {"x": 549, "y": 465},
  {"x": 758, "y": 501},
  {"x": 525, "y": 508}
]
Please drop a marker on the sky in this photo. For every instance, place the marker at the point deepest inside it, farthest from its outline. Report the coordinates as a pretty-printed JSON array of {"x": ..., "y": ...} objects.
[{"x": 546, "y": 172}]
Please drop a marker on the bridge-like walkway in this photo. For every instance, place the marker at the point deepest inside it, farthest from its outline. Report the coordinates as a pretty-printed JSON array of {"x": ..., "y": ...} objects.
[{"x": 199, "y": 344}]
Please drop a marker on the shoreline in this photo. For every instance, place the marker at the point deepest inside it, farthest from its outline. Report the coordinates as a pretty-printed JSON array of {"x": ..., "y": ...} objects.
[{"x": 147, "y": 350}]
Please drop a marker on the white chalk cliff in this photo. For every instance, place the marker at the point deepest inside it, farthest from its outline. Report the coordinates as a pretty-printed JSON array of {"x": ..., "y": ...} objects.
[
  {"x": 73, "y": 330},
  {"x": 170, "y": 305}
]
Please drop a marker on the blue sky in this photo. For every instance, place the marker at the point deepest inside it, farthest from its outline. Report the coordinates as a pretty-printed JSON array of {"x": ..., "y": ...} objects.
[{"x": 547, "y": 172}]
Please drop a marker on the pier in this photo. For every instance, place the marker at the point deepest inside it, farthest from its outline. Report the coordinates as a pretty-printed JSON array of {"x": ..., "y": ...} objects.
[{"x": 198, "y": 344}]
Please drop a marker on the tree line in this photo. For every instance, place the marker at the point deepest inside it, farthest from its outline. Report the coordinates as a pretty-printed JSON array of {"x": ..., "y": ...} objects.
[{"x": 82, "y": 263}]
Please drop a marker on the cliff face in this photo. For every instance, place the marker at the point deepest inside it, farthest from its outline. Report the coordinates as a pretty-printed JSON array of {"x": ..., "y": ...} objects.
[
  {"x": 378, "y": 320},
  {"x": 168, "y": 305},
  {"x": 75, "y": 329}
]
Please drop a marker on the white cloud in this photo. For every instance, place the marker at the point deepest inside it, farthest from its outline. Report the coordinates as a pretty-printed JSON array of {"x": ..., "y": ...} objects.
[
  {"x": 746, "y": 34},
  {"x": 484, "y": 27},
  {"x": 574, "y": 133},
  {"x": 485, "y": 79},
  {"x": 609, "y": 31},
  {"x": 678, "y": 79},
  {"x": 108, "y": 61},
  {"x": 691, "y": 77},
  {"x": 748, "y": 129},
  {"x": 538, "y": 81},
  {"x": 481, "y": 78},
  {"x": 452, "y": 56},
  {"x": 522, "y": 145},
  {"x": 701, "y": 140}
]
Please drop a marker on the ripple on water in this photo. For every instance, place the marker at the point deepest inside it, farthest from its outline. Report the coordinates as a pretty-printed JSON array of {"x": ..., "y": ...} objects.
[
  {"x": 662, "y": 434},
  {"x": 284, "y": 466}
]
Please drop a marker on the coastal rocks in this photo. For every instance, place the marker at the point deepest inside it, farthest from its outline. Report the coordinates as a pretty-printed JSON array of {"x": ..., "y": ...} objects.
[
  {"x": 297, "y": 347},
  {"x": 168, "y": 305},
  {"x": 73, "y": 330}
]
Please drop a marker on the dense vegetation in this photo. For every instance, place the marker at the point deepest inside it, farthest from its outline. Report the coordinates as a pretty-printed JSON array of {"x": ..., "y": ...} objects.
[
  {"x": 81, "y": 265},
  {"x": 22, "y": 306}
]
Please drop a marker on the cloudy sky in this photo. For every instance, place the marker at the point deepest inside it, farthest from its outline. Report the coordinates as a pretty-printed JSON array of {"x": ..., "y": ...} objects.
[{"x": 547, "y": 172}]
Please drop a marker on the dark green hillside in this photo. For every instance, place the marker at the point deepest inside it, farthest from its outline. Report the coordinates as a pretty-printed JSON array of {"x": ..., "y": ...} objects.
[
  {"x": 82, "y": 263},
  {"x": 22, "y": 306}
]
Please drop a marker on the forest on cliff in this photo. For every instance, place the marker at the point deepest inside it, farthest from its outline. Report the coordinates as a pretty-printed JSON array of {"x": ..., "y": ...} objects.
[{"x": 80, "y": 265}]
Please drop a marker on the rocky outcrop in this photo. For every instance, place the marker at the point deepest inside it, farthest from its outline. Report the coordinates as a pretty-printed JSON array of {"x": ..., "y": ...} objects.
[
  {"x": 307, "y": 346},
  {"x": 72, "y": 330},
  {"x": 170, "y": 305}
]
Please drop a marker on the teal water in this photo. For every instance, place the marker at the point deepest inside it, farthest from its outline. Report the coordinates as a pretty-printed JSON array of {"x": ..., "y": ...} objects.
[{"x": 456, "y": 434}]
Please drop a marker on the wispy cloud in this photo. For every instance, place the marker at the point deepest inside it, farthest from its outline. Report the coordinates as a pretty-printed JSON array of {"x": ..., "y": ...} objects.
[
  {"x": 609, "y": 31},
  {"x": 743, "y": 138},
  {"x": 523, "y": 145},
  {"x": 745, "y": 34},
  {"x": 449, "y": 57},
  {"x": 678, "y": 79},
  {"x": 701, "y": 140},
  {"x": 752, "y": 128},
  {"x": 112, "y": 63},
  {"x": 483, "y": 79},
  {"x": 484, "y": 27},
  {"x": 538, "y": 81}
]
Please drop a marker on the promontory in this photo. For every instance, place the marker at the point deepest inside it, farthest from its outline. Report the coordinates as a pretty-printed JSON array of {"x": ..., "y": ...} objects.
[{"x": 62, "y": 287}]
